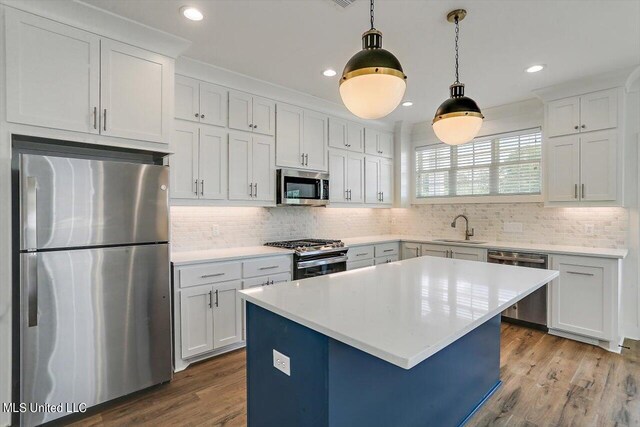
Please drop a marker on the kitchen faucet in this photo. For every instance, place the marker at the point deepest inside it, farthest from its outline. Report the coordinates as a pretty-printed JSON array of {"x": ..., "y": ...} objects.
[{"x": 467, "y": 233}]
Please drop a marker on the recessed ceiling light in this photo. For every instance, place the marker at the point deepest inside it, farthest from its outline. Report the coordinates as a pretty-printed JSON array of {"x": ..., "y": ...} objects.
[
  {"x": 191, "y": 13},
  {"x": 329, "y": 72},
  {"x": 407, "y": 104},
  {"x": 535, "y": 68}
]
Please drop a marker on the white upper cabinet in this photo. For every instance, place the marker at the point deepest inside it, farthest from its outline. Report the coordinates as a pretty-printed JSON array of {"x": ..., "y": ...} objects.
[
  {"x": 136, "y": 89},
  {"x": 302, "y": 138},
  {"x": 378, "y": 143},
  {"x": 53, "y": 74},
  {"x": 346, "y": 171},
  {"x": 251, "y": 113},
  {"x": 314, "y": 140},
  {"x": 212, "y": 163},
  {"x": 346, "y": 135},
  {"x": 201, "y": 102},
  {"x": 582, "y": 168},
  {"x": 251, "y": 168},
  {"x": 585, "y": 113},
  {"x": 599, "y": 110},
  {"x": 198, "y": 165},
  {"x": 378, "y": 178},
  {"x": 183, "y": 163}
]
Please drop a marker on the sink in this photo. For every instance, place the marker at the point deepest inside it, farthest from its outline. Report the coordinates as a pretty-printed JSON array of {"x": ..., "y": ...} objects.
[{"x": 471, "y": 242}]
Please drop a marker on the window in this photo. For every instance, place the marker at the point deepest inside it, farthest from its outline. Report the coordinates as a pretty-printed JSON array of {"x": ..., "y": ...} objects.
[{"x": 500, "y": 165}]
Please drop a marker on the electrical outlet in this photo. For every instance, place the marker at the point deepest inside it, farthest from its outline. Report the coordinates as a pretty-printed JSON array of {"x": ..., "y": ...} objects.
[
  {"x": 281, "y": 362},
  {"x": 589, "y": 229},
  {"x": 215, "y": 230},
  {"x": 512, "y": 227}
]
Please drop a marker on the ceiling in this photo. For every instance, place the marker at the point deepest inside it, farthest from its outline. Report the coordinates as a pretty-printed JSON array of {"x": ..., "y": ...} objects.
[{"x": 290, "y": 42}]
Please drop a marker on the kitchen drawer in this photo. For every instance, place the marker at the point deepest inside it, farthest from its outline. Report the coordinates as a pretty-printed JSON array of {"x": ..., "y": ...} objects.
[
  {"x": 386, "y": 259},
  {"x": 360, "y": 253},
  {"x": 359, "y": 264},
  {"x": 387, "y": 249},
  {"x": 208, "y": 273},
  {"x": 263, "y": 266},
  {"x": 266, "y": 280}
]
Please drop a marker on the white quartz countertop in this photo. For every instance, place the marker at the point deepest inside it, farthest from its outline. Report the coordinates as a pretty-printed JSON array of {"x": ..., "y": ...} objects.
[
  {"x": 207, "y": 255},
  {"x": 511, "y": 246},
  {"x": 402, "y": 312}
]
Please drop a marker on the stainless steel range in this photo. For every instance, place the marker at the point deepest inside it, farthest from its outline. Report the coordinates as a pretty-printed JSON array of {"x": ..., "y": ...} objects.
[{"x": 315, "y": 257}]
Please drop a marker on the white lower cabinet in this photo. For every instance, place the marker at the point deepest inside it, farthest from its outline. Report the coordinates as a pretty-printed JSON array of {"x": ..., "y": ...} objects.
[
  {"x": 386, "y": 259},
  {"x": 360, "y": 264},
  {"x": 227, "y": 314},
  {"x": 455, "y": 252},
  {"x": 411, "y": 250},
  {"x": 584, "y": 299}
]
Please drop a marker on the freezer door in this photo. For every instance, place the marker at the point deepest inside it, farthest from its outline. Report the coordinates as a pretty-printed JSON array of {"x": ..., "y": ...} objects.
[
  {"x": 67, "y": 202},
  {"x": 101, "y": 327}
]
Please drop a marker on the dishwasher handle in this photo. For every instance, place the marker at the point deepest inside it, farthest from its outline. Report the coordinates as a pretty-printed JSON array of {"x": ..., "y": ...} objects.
[{"x": 518, "y": 259}]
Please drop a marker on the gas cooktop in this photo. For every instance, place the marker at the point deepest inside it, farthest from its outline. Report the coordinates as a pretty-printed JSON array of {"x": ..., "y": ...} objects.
[{"x": 308, "y": 245}]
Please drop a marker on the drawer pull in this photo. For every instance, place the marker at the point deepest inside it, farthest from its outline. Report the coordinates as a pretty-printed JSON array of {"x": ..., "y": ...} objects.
[
  {"x": 204, "y": 276},
  {"x": 362, "y": 254},
  {"x": 580, "y": 273},
  {"x": 388, "y": 250},
  {"x": 268, "y": 268}
]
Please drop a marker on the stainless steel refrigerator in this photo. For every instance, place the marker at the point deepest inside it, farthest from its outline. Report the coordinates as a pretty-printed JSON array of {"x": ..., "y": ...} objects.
[{"x": 94, "y": 281}]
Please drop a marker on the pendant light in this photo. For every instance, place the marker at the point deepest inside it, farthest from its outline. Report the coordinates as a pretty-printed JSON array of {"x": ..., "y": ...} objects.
[
  {"x": 458, "y": 119},
  {"x": 372, "y": 83}
]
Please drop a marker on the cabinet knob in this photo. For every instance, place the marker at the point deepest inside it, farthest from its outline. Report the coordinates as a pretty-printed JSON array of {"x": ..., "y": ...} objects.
[
  {"x": 202, "y": 116},
  {"x": 255, "y": 126},
  {"x": 576, "y": 127},
  {"x": 583, "y": 126},
  {"x": 197, "y": 115}
]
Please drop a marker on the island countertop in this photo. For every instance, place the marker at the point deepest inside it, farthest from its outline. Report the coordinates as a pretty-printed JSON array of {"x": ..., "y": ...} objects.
[{"x": 402, "y": 312}]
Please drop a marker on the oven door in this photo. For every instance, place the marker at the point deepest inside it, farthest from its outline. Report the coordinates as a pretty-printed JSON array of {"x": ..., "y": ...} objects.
[
  {"x": 302, "y": 188},
  {"x": 320, "y": 265}
]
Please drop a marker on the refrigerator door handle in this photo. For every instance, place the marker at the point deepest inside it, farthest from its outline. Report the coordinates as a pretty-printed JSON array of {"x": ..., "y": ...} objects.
[
  {"x": 30, "y": 284},
  {"x": 30, "y": 213}
]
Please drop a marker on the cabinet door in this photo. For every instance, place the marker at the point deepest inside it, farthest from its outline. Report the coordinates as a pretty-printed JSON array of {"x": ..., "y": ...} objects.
[
  {"x": 371, "y": 180},
  {"x": 599, "y": 110},
  {"x": 435, "y": 250},
  {"x": 187, "y": 98},
  {"x": 289, "y": 136},
  {"x": 470, "y": 254},
  {"x": 355, "y": 177},
  {"x": 263, "y": 168},
  {"x": 212, "y": 165},
  {"x": 338, "y": 133},
  {"x": 563, "y": 117},
  {"x": 196, "y": 321},
  {"x": 53, "y": 74},
  {"x": 355, "y": 137},
  {"x": 314, "y": 142},
  {"x": 582, "y": 297},
  {"x": 264, "y": 116},
  {"x": 410, "y": 250},
  {"x": 371, "y": 141},
  {"x": 385, "y": 144},
  {"x": 240, "y": 110},
  {"x": 240, "y": 167},
  {"x": 598, "y": 159},
  {"x": 563, "y": 169},
  {"x": 213, "y": 104},
  {"x": 386, "y": 181},
  {"x": 360, "y": 264},
  {"x": 136, "y": 87},
  {"x": 227, "y": 314},
  {"x": 386, "y": 259},
  {"x": 183, "y": 163},
  {"x": 338, "y": 176}
]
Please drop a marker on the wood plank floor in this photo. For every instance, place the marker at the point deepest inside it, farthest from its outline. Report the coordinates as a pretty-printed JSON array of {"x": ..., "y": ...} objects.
[{"x": 547, "y": 381}]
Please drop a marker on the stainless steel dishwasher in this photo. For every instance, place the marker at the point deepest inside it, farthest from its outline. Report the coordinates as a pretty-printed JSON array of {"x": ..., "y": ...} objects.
[{"x": 532, "y": 310}]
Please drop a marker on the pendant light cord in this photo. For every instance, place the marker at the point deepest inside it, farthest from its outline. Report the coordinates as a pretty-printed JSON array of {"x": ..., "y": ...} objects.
[
  {"x": 457, "y": 32},
  {"x": 371, "y": 12}
]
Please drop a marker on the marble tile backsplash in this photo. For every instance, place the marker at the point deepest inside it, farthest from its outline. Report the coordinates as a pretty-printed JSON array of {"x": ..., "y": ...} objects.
[{"x": 194, "y": 227}]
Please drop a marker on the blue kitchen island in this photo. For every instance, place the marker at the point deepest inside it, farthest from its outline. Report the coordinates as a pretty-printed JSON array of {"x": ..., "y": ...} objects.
[{"x": 410, "y": 343}]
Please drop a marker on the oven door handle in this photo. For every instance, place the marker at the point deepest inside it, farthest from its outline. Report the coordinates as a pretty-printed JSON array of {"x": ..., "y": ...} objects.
[
  {"x": 520, "y": 259},
  {"x": 323, "y": 261}
]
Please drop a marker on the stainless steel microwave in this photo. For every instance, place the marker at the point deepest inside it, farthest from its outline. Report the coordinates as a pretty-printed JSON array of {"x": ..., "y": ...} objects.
[{"x": 302, "y": 188}]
